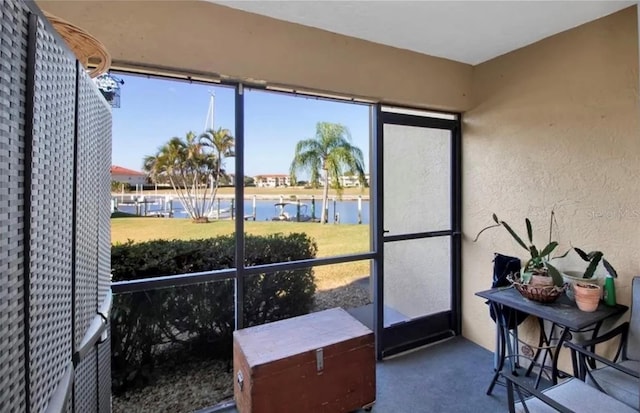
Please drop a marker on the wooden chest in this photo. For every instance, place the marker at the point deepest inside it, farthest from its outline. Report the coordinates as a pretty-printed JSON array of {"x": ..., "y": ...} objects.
[{"x": 320, "y": 362}]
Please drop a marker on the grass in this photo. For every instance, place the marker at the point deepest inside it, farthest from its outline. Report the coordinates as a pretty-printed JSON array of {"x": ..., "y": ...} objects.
[{"x": 331, "y": 239}]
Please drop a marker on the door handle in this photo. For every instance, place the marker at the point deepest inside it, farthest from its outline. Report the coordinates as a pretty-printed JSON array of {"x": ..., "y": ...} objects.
[{"x": 385, "y": 231}]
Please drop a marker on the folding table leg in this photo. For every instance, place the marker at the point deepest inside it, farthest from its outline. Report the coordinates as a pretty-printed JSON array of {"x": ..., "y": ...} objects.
[
  {"x": 542, "y": 339},
  {"x": 556, "y": 353},
  {"x": 596, "y": 329},
  {"x": 516, "y": 350},
  {"x": 497, "y": 354},
  {"x": 500, "y": 349},
  {"x": 503, "y": 346}
]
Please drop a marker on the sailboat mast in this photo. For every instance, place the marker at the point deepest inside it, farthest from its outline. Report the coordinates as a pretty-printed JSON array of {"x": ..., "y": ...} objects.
[
  {"x": 208, "y": 122},
  {"x": 208, "y": 126}
]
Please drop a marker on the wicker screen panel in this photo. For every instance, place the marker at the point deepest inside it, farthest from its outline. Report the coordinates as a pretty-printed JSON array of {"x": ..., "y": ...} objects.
[
  {"x": 87, "y": 207},
  {"x": 51, "y": 232},
  {"x": 86, "y": 383},
  {"x": 93, "y": 272},
  {"x": 13, "y": 49},
  {"x": 104, "y": 375},
  {"x": 94, "y": 163},
  {"x": 104, "y": 212}
]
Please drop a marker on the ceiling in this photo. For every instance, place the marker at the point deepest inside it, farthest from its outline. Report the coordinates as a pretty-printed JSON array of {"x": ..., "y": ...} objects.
[{"x": 465, "y": 31}]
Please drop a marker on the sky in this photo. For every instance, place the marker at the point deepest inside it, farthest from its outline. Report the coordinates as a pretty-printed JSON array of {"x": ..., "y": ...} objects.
[{"x": 152, "y": 111}]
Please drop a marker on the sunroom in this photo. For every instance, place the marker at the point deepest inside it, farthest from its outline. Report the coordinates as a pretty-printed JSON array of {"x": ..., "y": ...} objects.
[{"x": 512, "y": 108}]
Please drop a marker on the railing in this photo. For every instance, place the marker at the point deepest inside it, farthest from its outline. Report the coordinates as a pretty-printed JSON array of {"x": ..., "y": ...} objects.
[{"x": 152, "y": 283}]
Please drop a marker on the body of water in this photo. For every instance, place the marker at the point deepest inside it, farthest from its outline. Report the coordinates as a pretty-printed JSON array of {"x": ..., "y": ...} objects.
[{"x": 345, "y": 211}]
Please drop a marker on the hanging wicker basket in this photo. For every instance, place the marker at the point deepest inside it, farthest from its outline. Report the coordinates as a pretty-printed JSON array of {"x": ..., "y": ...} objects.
[
  {"x": 539, "y": 293},
  {"x": 546, "y": 294},
  {"x": 90, "y": 51}
]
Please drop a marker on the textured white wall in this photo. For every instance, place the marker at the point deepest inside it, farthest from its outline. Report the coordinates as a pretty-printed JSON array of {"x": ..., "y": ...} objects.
[{"x": 554, "y": 126}]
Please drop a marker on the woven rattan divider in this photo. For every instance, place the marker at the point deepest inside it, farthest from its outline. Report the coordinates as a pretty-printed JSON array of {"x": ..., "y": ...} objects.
[
  {"x": 86, "y": 246},
  {"x": 86, "y": 387},
  {"x": 49, "y": 291},
  {"x": 98, "y": 135},
  {"x": 13, "y": 49},
  {"x": 104, "y": 376},
  {"x": 92, "y": 275},
  {"x": 51, "y": 235},
  {"x": 102, "y": 145}
]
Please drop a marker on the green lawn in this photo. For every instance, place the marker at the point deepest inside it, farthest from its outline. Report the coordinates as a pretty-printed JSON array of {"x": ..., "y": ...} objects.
[{"x": 331, "y": 239}]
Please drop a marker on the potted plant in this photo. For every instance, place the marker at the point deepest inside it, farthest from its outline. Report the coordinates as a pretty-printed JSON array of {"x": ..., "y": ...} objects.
[
  {"x": 537, "y": 271},
  {"x": 585, "y": 288},
  {"x": 593, "y": 259}
]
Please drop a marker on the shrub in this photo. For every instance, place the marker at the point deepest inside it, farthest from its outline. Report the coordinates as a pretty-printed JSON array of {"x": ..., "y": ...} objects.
[
  {"x": 199, "y": 319},
  {"x": 120, "y": 186}
]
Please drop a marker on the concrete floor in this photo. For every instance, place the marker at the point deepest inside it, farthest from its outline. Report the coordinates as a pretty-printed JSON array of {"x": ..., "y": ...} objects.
[{"x": 447, "y": 377}]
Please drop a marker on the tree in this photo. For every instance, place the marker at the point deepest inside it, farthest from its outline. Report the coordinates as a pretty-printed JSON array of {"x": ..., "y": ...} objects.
[
  {"x": 117, "y": 186},
  {"x": 331, "y": 152},
  {"x": 249, "y": 181},
  {"x": 222, "y": 143},
  {"x": 191, "y": 170}
]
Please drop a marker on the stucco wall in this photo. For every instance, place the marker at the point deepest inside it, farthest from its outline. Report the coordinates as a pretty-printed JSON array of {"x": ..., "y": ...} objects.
[
  {"x": 206, "y": 37},
  {"x": 555, "y": 125}
]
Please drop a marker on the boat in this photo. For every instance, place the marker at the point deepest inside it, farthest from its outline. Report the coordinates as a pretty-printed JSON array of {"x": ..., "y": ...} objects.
[
  {"x": 224, "y": 213},
  {"x": 160, "y": 214},
  {"x": 293, "y": 212}
]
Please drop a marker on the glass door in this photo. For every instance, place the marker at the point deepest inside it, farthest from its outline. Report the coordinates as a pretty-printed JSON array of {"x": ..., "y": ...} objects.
[{"x": 417, "y": 299}]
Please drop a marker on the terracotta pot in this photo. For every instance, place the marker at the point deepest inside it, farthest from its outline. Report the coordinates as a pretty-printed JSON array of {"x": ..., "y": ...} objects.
[
  {"x": 572, "y": 277},
  {"x": 587, "y": 296}
]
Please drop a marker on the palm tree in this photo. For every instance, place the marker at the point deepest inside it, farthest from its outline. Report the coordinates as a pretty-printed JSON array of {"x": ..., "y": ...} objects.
[
  {"x": 222, "y": 142},
  {"x": 331, "y": 152},
  {"x": 188, "y": 168}
]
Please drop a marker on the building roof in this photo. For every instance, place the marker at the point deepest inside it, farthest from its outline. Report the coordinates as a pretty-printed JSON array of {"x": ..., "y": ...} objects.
[{"x": 119, "y": 170}]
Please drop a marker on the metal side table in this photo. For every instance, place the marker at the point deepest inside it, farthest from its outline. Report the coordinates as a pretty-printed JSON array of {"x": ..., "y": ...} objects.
[{"x": 563, "y": 314}]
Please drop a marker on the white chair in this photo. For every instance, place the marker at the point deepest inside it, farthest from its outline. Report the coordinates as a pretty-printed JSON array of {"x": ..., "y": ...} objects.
[
  {"x": 610, "y": 379},
  {"x": 573, "y": 394}
]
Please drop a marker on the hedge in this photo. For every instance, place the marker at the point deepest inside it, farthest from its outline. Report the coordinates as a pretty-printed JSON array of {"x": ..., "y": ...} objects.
[{"x": 181, "y": 323}]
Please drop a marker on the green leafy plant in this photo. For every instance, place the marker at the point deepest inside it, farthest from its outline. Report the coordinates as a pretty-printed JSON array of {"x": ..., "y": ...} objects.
[
  {"x": 538, "y": 263},
  {"x": 594, "y": 258},
  {"x": 196, "y": 321}
]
